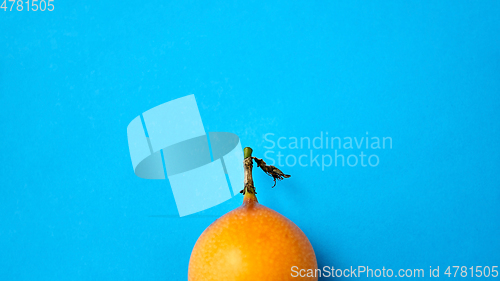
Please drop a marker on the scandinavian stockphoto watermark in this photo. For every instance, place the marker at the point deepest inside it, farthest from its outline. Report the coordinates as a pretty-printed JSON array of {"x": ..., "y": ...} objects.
[
  {"x": 169, "y": 142},
  {"x": 367, "y": 272},
  {"x": 325, "y": 151}
]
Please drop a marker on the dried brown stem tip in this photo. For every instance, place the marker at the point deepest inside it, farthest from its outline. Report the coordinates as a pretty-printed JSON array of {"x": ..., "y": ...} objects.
[{"x": 272, "y": 171}]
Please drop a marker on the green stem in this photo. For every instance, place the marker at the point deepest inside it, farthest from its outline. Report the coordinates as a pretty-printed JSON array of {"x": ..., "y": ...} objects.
[{"x": 247, "y": 152}]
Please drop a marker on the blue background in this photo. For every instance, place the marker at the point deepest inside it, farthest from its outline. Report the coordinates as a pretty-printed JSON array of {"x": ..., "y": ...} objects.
[{"x": 425, "y": 74}]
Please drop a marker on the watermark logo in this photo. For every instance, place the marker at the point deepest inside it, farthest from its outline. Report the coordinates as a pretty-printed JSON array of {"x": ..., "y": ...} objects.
[
  {"x": 357, "y": 151},
  {"x": 169, "y": 141}
]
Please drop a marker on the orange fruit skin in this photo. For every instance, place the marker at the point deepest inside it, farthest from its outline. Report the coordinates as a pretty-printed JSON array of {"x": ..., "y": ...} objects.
[{"x": 252, "y": 242}]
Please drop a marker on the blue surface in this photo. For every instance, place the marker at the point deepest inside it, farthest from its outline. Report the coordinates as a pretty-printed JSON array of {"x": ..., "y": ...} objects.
[{"x": 424, "y": 74}]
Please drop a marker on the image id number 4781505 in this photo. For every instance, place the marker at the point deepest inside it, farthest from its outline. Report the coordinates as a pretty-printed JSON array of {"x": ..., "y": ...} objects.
[{"x": 28, "y": 5}]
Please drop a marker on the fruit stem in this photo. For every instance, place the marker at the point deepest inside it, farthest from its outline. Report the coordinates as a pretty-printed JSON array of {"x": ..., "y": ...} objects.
[
  {"x": 249, "y": 189},
  {"x": 247, "y": 152}
]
